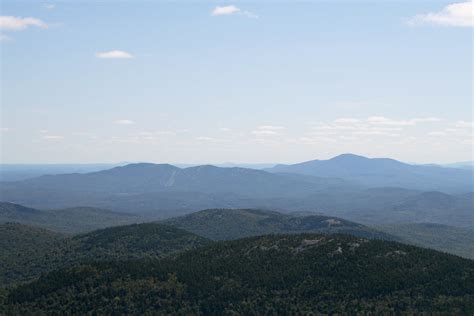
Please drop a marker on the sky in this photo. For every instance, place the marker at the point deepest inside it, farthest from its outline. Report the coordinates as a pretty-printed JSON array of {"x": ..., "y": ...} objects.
[{"x": 245, "y": 82}]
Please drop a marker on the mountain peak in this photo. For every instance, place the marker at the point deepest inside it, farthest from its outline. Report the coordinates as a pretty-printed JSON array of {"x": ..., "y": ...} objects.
[
  {"x": 348, "y": 156},
  {"x": 144, "y": 165}
]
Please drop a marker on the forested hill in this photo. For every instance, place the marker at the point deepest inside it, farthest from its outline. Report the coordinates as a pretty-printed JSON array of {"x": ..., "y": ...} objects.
[
  {"x": 69, "y": 221},
  {"x": 27, "y": 252},
  {"x": 285, "y": 274},
  {"x": 224, "y": 224},
  {"x": 20, "y": 246},
  {"x": 450, "y": 239}
]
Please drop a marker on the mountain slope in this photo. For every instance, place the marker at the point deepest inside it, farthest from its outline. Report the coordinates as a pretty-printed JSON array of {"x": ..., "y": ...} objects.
[
  {"x": 437, "y": 207},
  {"x": 147, "y": 177},
  {"x": 383, "y": 172},
  {"x": 454, "y": 240},
  {"x": 28, "y": 251},
  {"x": 20, "y": 246},
  {"x": 293, "y": 274},
  {"x": 129, "y": 182},
  {"x": 73, "y": 220},
  {"x": 224, "y": 224}
]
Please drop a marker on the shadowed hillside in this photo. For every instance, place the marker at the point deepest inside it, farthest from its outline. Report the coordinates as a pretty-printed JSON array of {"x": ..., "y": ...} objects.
[
  {"x": 222, "y": 224},
  {"x": 454, "y": 240}
]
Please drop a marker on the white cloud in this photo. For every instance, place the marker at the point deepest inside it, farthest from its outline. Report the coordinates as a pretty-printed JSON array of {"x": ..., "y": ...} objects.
[
  {"x": 204, "y": 138},
  {"x": 49, "y": 6},
  {"x": 165, "y": 133},
  {"x": 380, "y": 120},
  {"x": 346, "y": 120},
  {"x": 268, "y": 130},
  {"x": 457, "y": 14},
  {"x": 53, "y": 137},
  {"x": 6, "y": 129},
  {"x": 13, "y": 23},
  {"x": 232, "y": 10},
  {"x": 464, "y": 124},
  {"x": 371, "y": 126},
  {"x": 124, "y": 122},
  {"x": 114, "y": 54},
  {"x": 426, "y": 120},
  {"x": 211, "y": 139},
  {"x": 437, "y": 134},
  {"x": 225, "y": 10},
  {"x": 271, "y": 127},
  {"x": 264, "y": 132},
  {"x": 250, "y": 15}
]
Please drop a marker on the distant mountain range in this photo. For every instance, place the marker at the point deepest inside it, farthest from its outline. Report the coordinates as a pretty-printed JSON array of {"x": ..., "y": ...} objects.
[
  {"x": 461, "y": 165},
  {"x": 373, "y": 191},
  {"x": 16, "y": 172},
  {"x": 146, "y": 177},
  {"x": 384, "y": 172}
]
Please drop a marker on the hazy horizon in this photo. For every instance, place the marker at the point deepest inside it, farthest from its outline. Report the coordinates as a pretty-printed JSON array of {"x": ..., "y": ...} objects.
[{"x": 221, "y": 163}]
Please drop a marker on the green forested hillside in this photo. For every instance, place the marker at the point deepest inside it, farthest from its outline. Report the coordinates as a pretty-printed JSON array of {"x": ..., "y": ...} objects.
[
  {"x": 69, "y": 221},
  {"x": 21, "y": 247},
  {"x": 224, "y": 224},
  {"x": 279, "y": 274},
  {"x": 27, "y": 252},
  {"x": 149, "y": 240},
  {"x": 455, "y": 240}
]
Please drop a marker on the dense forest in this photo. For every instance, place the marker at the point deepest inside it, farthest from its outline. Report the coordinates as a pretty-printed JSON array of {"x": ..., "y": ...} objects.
[
  {"x": 27, "y": 252},
  {"x": 274, "y": 274},
  {"x": 225, "y": 224},
  {"x": 450, "y": 239},
  {"x": 69, "y": 221}
]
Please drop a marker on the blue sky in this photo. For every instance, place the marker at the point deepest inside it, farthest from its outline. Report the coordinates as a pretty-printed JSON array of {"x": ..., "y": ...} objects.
[{"x": 210, "y": 82}]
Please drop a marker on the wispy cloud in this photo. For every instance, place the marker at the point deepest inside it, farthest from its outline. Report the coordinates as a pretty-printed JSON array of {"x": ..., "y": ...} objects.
[
  {"x": 124, "y": 122},
  {"x": 456, "y": 14},
  {"x": 49, "y": 6},
  {"x": 232, "y": 10},
  {"x": 271, "y": 127},
  {"x": 371, "y": 126},
  {"x": 6, "y": 129},
  {"x": 465, "y": 124},
  {"x": 114, "y": 54},
  {"x": 380, "y": 120},
  {"x": 4, "y": 38},
  {"x": 268, "y": 130},
  {"x": 13, "y": 23},
  {"x": 53, "y": 137}
]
